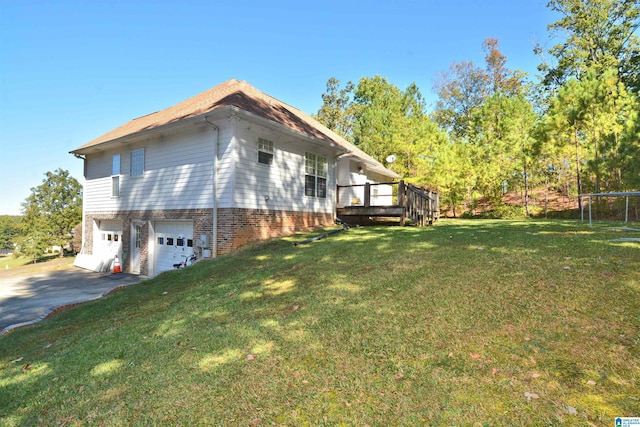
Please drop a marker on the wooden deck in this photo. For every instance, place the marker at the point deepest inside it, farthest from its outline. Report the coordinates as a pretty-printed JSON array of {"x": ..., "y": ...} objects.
[
  {"x": 390, "y": 211},
  {"x": 419, "y": 205}
]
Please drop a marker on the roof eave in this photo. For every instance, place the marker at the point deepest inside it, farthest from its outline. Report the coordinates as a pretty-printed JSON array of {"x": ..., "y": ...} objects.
[
  {"x": 102, "y": 146},
  {"x": 328, "y": 143}
]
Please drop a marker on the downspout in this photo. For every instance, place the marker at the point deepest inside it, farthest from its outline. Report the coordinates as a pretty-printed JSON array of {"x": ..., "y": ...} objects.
[
  {"x": 84, "y": 181},
  {"x": 214, "y": 232}
]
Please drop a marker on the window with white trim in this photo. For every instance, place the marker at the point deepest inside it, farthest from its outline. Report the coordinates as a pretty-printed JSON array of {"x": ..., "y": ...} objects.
[
  {"x": 115, "y": 175},
  {"x": 265, "y": 151},
  {"x": 137, "y": 162},
  {"x": 315, "y": 178}
]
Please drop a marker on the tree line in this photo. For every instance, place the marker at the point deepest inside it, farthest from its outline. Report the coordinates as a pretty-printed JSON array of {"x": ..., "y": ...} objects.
[{"x": 495, "y": 130}]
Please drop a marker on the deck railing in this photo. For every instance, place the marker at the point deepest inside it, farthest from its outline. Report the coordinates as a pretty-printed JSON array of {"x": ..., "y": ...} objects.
[{"x": 419, "y": 205}]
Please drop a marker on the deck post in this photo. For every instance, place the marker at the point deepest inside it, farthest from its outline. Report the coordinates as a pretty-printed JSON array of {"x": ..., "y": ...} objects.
[
  {"x": 367, "y": 195},
  {"x": 403, "y": 217}
]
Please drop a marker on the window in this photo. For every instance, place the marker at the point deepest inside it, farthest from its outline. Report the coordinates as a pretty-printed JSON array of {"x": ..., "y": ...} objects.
[
  {"x": 315, "y": 179},
  {"x": 161, "y": 240},
  {"x": 115, "y": 186},
  {"x": 180, "y": 241},
  {"x": 265, "y": 151},
  {"x": 138, "y": 236},
  {"x": 115, "y": 175},
  {"x": 137, "y": 162},
  {"x": 169, "y": 241},
  {"x": 115, "y": 164}
]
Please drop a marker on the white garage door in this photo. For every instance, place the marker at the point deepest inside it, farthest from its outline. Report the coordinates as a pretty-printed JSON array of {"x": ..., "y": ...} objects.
[
  {"x": 173, "y": 242},
  {"x": 107, "y": 242}
]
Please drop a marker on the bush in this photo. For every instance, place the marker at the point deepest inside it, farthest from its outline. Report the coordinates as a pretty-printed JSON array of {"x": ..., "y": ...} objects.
[{"x": 507, "y": 212}]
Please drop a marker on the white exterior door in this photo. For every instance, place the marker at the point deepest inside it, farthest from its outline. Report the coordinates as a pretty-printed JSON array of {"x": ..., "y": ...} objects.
[
  {"x": 107, "y": 242},
  {"x": 136, "y": 244},
  {"x": 172, "y": 244}
]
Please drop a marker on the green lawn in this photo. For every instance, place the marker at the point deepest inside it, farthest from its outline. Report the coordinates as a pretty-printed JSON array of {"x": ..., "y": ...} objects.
[
  {"x": 464, "y": 323},
  {"x": 9, "y": 262}
]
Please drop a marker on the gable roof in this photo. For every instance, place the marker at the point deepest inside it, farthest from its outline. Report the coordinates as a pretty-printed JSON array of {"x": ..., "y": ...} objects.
[{"x": 241, "y": 95}]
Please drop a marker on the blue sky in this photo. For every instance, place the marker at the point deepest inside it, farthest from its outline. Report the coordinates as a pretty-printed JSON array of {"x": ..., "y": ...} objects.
[{"x": 72, "y": 70}]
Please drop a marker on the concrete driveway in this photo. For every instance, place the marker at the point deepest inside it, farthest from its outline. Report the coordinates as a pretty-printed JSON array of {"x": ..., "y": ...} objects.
[{"x": 30, "y": 297}]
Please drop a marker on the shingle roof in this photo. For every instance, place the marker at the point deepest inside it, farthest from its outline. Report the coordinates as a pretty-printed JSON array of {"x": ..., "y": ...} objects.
[{"x": 244, "y": 96}]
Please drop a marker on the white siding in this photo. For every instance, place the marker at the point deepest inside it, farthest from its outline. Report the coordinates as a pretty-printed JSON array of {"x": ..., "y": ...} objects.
[
  {"x": 178, "y": 174},
  {"x": 179, "y": 171},
  {"x": 279, "y": 186},
  {"x": 226, "y": 163},
  {"x": 350, "y": 173}
]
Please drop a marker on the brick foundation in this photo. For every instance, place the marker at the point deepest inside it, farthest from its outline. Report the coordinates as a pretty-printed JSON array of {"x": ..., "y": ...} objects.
[{"x": 236, "y": 227}]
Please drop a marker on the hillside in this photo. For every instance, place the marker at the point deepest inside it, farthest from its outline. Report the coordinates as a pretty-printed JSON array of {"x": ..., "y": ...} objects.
[{"x": 465, "y": 323}]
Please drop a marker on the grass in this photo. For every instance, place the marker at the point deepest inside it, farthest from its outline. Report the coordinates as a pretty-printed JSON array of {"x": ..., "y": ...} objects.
[
  {"x": 464, "y": 323},
  {"x": 10, "y": 264}
]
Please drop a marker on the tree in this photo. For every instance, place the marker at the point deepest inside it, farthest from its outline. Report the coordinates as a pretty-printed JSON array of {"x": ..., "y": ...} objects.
[
  {"x": 337, "y": 111},
  {"x": 500, "y": 77},
  {"x": 381, "y": 119},
  {"x": 53, "y": 209},
  {"x": 9, "y": 231},
  {"x": 593, "y": 120},
  {"x": 628, "y": 159},
  {"x": 565, "y": 126},
  {"x": 460, "y": 91},
  {"x": 393, "y": 121},
  {"x": 600, "y": 35},
  {"x": 453, "y": 173},
  {"x": 502, "y": 139}
]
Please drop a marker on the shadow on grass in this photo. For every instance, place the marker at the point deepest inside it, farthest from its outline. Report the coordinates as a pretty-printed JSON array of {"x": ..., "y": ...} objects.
[{"x": 373, "y": 325}]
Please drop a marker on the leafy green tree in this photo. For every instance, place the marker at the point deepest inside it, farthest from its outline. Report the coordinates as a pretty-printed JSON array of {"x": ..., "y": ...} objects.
[
  {"x": 337, "y": 111},
  {"x": 32, "y": 245},
  {"x": 502, "y": 138},
  {"x": 465, "y": 87},
  {"x": 453, "y": 173},
  {"x": 565, "y": 127},
  {"x": 9, "y": 231},
  {"x": 597, "y": 35},
  {"x": 52, "y": 210},
  {"x": 460, "y": 92},
  {"x": 627, "y": 161},
  {"x": 593, "y": 121},
  {"x": 393, "y": 121}
]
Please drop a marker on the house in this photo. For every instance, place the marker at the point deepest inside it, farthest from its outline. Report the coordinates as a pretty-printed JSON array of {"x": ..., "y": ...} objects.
[{"x": 224, "y": 168}]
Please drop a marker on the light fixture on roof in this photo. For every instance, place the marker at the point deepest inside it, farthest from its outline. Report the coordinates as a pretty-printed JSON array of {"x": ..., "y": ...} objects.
[{"x": 391, "y": 158}]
